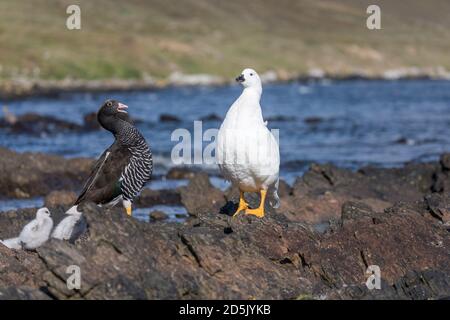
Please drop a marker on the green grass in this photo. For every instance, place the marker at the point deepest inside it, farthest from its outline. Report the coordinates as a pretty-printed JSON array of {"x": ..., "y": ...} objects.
[{"x": 130, "y": 39}]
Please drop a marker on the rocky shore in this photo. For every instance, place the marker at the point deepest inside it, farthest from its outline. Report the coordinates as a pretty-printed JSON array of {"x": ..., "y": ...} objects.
[
  {"x": 332, "y": 224},
  {"x": 24, "y": 87}
]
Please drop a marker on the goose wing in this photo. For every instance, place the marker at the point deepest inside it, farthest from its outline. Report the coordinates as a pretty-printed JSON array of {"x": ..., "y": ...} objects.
[{"x": 103, "y": 184}]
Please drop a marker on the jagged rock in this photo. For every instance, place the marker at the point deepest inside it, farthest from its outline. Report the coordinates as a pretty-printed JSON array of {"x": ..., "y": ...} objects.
[
  {"x": 25, "y": 175},
  {"x": 355, "y": 210},
  {"x": 118, "y": 288},
  {"x": 22, "y": 293},
  {"x": 390, "y": 218},
  {"x": 19, "y": 268},
  {"x": 284, "y": 189},
  {"x": 445, "y": 161},
  {"x": 158, "y": 215},
  {"x": 218, "y": 257},
  {"x": 414, "y": 285},
  {"x": 200, "y": 197},
  {"x": 442, "y": 177},
  {"x": 321, "y": 192},
  {"x": 439, "y": 206}
]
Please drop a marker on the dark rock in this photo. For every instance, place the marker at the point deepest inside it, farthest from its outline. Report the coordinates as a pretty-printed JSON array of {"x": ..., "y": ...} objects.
[
  {"x": 319, "y": 195},
  {"x": 441, "y": 182},
  {"x": 442, "y": 177},
  {"x": 178, "y": 173},
  {"x": 284, "y": 189},
  {"x": 361, "y": 244},
  {"x": 158, "y": 215},
  {"x": 36, "y": 124},
  {"x": 90, "y": 121},
  {"x": 424, "y": 285},
  {"x": 407, "y": 184},
  {"x": 445, "y": 161},
  {"x": 389, "y": 219},
  {"x": 402, "y": 140},
  {"x": 60, "y": 198},
  {"x": 279, "y": 118},
  {"x": 22, "y": 293},
  {"x": 169, "y": 118},
  {"x": 415, "y": 285},
  {"x": 355, "y": 210},
  {"x": 218, "y": 257},
  {"x": 25, "y": 175},
  {"x": 19, "y": 268},
  {"x": 12, "y": 222},
  {"x": 149, "y": 197},
  {"x": 211, "y": 117},
  {"x": 118, "y": 288},
  {"x": 200, "y": 196},
  {"x": 313, "y": 120},
  {"x": 439, "y": 206}
]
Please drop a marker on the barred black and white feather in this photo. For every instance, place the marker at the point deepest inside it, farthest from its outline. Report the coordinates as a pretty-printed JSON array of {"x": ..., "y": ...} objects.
[{"x": 139, "y": 169}]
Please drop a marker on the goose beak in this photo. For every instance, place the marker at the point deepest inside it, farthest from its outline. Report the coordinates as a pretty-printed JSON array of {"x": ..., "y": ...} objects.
[
  {"x": 122, "y": 108},
  {"x": 240, "y": 78}
]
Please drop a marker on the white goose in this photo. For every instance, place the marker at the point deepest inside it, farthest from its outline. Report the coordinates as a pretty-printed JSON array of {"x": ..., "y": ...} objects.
[
  {"x": 71, "y": 227},
  {"x": 34, "y": 234},
  {"x": 247, "y": 152}
]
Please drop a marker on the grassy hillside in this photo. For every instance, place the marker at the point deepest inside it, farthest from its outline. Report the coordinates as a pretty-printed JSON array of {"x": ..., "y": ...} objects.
[{"x": 136, "y": 38}]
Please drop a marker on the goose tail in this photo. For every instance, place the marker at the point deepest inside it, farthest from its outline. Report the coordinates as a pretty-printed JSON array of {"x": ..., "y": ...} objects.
[
  {"x": 275, "y": 202},
  {"x": 13, "y": 243},
  {"x": 73, "y": 211}
]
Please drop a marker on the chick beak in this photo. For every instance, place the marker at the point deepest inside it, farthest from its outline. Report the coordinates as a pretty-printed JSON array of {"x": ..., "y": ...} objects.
[
  {"x": 240, "y": 78},
  {"x": 122, "y": 108}
]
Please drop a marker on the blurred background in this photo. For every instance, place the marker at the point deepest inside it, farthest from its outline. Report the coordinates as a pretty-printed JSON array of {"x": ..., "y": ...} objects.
[
  {"x": 154, "y": 38},
  {"x": 338, "y": 92}
]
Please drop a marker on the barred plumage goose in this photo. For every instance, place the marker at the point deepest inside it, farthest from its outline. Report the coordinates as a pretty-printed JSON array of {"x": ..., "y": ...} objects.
[{"x": 125, "y": 167}]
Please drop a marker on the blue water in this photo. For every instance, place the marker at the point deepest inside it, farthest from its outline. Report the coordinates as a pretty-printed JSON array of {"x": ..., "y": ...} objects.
[
  {"x": 174, "y": 213},
  {"x": 14, "y": 204},
  {"x": 383, "y": 123}
]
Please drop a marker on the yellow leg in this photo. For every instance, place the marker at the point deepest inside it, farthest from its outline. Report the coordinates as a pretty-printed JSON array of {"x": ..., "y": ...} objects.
[
  {"x": 259, "y": 212},
  {"x": 127, "y": 206},
  {"x": 129, "y": 211},
  {"x": 242, "y": 204}
]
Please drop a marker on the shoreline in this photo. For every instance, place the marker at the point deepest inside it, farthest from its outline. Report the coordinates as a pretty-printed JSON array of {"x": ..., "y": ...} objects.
[{"x": 17, "y": 89}]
